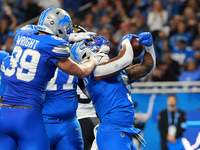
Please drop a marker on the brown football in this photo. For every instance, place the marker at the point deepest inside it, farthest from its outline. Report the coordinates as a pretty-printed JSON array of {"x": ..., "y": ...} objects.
[{"x": 137, "y": 47}]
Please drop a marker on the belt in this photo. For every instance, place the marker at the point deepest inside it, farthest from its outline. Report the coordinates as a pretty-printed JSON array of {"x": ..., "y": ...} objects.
[{"x": 15, "y": 106}]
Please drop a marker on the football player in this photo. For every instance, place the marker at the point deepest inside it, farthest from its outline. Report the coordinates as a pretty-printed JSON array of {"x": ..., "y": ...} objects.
[
  {"x": 106, "y": 86},
  {"x": 35, "y": 57},
  {"x": 59, "y": 112},
  {"x": 87, "y": 117},
  {"x": 86, "y": 113}
]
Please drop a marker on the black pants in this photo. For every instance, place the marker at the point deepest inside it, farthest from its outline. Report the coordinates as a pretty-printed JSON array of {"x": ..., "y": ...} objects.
[
  {"x": 164, "y": 144},
  {"x": 87, "y": 126}
]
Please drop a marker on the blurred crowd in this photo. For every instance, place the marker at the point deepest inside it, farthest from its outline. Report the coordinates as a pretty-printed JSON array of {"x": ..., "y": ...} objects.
[{"x": 174, "y": 25}]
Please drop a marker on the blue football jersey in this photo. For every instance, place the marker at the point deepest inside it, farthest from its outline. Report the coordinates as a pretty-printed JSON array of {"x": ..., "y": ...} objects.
[
  {"x": 111, "y": 100},
  {"x": 32, "y": 65},
  {"x": 61, "y": 97},
  {"x": 5, "y": 64}
]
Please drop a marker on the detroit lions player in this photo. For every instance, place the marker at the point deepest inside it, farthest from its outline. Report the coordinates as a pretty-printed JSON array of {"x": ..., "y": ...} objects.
[
  {"x": 109, "y": 93},
  {"x": 35, "y": 57},
  {"x": 86, "y": 113},
  {"x": 59, "y": 113}
]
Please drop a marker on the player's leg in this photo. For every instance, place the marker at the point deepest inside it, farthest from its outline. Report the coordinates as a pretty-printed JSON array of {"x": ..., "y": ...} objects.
[
  {"x": 7, "y": 143},
  {"x": 32, "y": 132},
  {"x": 115, "y": 141},
  {"x": 6, "y": 126},
  {"x": 87, "y": 127},
  {"x": 72, "y": 138}
]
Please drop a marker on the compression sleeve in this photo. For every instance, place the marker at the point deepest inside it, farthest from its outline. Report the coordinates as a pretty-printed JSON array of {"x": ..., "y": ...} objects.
[
  {"x": 118, "y": 63},
  {"x": 81, "y": 83},
  {"x": 150, "y": 49}
]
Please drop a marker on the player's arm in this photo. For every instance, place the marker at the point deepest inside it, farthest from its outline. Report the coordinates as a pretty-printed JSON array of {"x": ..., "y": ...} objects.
[
  {"x": 79, "y": 70},
  {"x": 82, "y": 87},
  {"x": 148, "y": 63},
  {"x": 1, "y": 99},
  {"x": 115, "y": 65}
]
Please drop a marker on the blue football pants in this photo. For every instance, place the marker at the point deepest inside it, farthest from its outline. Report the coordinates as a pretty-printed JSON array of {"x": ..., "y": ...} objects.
[
  {"x": 24, "y": 128},
  {"x": 115, "y": 141},
  {"x": 66, "y": 135}
]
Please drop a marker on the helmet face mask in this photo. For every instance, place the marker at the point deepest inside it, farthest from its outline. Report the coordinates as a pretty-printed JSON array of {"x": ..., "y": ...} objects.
[
  {"x": 55, "y": 21},
  {"x": 99, "y": 44}
]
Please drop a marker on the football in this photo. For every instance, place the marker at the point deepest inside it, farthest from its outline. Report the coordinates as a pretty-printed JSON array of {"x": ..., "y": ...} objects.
[{"x": 137, "y": 47}]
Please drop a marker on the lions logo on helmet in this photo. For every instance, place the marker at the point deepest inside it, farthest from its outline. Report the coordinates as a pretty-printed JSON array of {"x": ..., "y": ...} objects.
[
  {"x": 81, "y": 51},
  {"x": 55, "y": 21}
]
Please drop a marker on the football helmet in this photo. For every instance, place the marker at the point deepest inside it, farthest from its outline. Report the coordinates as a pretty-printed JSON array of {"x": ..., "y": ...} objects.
[
  {"x": 55, "y": 21},
  {"x": 78, "y": 29},
  {"x": 99, "y": 44},
  {"x": 81, "y": 51}
]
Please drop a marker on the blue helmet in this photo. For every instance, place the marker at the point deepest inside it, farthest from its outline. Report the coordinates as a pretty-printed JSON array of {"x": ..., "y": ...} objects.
[
  {"x": 82, "y": 50},
  {"x": 55, "y": 21},
  {"x": 98, "y": 44}
]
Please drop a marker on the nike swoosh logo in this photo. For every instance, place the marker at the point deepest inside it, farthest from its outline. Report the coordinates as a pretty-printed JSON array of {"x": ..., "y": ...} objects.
[{"x": 76, "y": 128}]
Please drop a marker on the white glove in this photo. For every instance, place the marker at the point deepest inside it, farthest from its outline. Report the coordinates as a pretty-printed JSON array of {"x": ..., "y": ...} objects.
[
  {"x": 104, "y": 49},
  {"x": 99, "y": 58},
  {"x": 75, "y": 37}
]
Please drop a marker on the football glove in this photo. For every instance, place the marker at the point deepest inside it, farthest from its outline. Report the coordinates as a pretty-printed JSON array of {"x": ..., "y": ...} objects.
[
  {"x": 129, "y": 37},
  {"x": 145, "y": 38},
  {"x": 99, "y": 58}
]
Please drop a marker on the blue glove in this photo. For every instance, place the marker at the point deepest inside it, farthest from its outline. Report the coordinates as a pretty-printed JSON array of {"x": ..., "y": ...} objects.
[
  {"x": 145, "y": 38},
  {"x": 129, "y": 37}
]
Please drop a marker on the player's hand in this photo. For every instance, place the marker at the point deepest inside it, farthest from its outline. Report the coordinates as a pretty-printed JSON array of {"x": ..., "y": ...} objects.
[
  {"x": 99, "y": 58},
  {"x": 75, "y": 37},
  {"x": 145, "y": 38},
  {"x": 129, "y": 37},
  {"x": 104, "y": 49}
]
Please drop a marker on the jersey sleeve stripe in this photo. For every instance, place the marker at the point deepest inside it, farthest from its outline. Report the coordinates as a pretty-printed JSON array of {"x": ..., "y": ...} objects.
[{"x": 61, "y": 50}]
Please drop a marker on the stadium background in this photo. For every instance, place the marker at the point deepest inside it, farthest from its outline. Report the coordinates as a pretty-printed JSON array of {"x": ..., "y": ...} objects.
[{"x": 116, "y": 18}]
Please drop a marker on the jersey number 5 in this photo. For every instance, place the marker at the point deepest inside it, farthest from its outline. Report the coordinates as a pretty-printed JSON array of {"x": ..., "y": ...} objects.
[{"x": 23, "y": 63}]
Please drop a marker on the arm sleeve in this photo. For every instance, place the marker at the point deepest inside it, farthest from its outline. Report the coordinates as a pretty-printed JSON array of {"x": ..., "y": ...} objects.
[
  {"x": 118, "y": 63},
  {"x": 151, "y": 50},
  {"x": 81, "y": 84}
]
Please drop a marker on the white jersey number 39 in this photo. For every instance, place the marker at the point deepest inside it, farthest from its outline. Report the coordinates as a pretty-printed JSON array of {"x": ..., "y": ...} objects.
[{"x": 20, "y": 58}]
